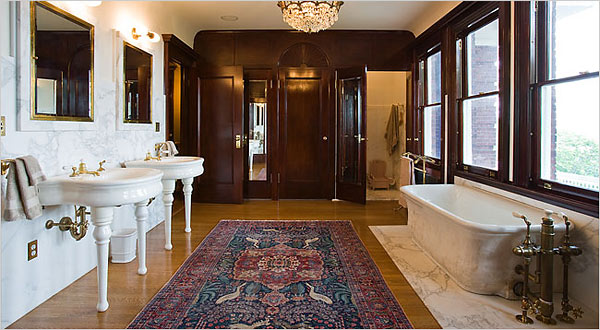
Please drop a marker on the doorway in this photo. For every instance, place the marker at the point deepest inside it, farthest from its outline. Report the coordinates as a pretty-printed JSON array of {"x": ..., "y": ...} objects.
[{"x": 386, "y": 89}]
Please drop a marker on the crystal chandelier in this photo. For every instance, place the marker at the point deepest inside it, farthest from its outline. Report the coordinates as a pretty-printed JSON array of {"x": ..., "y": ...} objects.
[{"x": 310, "y": 16}]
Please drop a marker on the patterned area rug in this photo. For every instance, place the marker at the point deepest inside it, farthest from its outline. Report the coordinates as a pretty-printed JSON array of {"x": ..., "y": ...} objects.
[{"x": 276, "y": 274}]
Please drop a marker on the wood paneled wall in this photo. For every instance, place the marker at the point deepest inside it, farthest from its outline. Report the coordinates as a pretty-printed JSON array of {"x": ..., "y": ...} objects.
[{"x": 379, "y": 50}]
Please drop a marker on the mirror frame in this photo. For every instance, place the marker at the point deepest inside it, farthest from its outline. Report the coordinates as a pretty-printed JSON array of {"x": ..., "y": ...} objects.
[
  {"x": 136, "y": 121},
  {"x": 60, "y": 12}
]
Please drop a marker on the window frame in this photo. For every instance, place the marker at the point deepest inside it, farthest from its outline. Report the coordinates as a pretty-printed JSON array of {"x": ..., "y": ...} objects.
[
  {"x": 479, "y": 19},
  {"x": 540, "y": 77},
  {"x": 423, "y": 101}
]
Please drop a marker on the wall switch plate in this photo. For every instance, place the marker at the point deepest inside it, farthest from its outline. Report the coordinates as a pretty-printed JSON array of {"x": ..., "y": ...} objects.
[
  {"x": 2, "y": 126},
  {"x": 157, "y": 129},
  {"x": 32, "y": 250}
]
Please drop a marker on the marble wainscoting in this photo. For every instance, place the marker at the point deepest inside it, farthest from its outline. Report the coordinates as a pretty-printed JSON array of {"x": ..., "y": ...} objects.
[{"x": 452, "y": 306}]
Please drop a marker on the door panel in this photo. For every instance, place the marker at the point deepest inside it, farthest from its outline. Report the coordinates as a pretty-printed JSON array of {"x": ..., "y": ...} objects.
[
  {"x": 351, "y": 139},
  {"x": 220, "y": 93},
  {"x": 304, "y": 134}
]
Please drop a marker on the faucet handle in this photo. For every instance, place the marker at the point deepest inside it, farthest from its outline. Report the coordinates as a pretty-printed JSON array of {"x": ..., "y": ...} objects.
[
  {"x": 521, "y": 216},
  {"x": 100, "y": 168}
]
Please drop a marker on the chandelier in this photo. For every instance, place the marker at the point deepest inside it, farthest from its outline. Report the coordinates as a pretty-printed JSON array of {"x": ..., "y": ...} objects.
[{"x": 310, "y": 16}]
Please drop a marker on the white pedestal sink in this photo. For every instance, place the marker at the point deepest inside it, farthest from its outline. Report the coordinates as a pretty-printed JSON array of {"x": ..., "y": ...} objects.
[
  {"x": 114, "y": 187},
  {"x": 174, "y": 168}
]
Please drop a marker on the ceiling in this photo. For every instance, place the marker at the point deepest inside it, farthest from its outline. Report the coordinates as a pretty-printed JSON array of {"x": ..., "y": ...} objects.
[{"x": 354, "y": 15}]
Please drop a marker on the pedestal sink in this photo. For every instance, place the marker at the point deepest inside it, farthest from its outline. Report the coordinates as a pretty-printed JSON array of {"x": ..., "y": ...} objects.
[
  {"x": 174, "y": 168},
  {"x": 113, "y": 187}
]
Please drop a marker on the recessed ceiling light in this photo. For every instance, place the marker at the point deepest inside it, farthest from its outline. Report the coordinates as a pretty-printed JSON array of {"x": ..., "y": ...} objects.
[{"x": 229, "y": 18}]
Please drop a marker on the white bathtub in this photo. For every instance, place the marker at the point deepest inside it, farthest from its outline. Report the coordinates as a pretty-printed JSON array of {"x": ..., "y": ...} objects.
[{"x": 470, "y": 234}]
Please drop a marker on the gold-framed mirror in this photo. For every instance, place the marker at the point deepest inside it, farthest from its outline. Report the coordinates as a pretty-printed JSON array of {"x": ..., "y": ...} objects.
[
  {"x": 137, "y": 85},
  {"x": 62, "y": 65}
]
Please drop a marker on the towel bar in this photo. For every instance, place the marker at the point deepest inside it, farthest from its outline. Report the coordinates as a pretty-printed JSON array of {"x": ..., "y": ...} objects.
[{"x": 6, "y": 165}]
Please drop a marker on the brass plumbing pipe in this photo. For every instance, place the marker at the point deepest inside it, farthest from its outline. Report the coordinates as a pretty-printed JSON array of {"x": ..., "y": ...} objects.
[
  {"x": 77, "y": 228},
  {"x": 546, "y": 254},
  {"x": 566, "y": 250},
  {"x": 525, "y": 250}
]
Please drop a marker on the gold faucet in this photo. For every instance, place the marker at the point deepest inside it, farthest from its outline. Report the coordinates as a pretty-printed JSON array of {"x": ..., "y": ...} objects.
[
  {"x": 83, "y": 170},
  {"x": 149, "y": 157},
  {"x": 101, "y": 168}
]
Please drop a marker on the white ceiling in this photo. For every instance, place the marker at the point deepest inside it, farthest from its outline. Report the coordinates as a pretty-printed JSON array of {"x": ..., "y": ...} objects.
[{"x": 355, "y": 15}]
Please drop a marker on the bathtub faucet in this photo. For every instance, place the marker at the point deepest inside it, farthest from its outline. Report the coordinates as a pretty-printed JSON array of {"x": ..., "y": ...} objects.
[
  {"x": 525, "y": 250},
  {"x": 543, "y": 305}
]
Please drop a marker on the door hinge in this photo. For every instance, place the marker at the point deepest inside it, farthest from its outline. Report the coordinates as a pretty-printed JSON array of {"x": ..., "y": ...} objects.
[
  {"x": 278, "y": 84},
  {"x": 271, "y": 83},
  {"x": 278, "y": 177}
]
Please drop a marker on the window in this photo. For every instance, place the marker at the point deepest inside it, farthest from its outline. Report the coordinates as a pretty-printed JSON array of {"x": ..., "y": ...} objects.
[
  {"x": 478, "y": 63},
  {"x": 430, "y": 101},
  {"x": 567, "y": 95}
]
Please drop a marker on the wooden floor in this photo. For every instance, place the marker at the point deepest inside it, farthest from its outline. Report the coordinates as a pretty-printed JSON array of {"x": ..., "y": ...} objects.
[{"x": 128, "y": 293}]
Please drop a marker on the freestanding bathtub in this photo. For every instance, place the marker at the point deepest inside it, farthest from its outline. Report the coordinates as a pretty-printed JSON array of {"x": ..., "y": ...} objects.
[{"x": 470, "y": 234}]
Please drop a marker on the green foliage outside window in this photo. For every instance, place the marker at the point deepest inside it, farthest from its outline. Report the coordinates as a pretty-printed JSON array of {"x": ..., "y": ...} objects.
[{"x": 576, "y": 154}]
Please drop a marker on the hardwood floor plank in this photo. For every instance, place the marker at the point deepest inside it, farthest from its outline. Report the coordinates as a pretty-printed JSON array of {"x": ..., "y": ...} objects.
[{"x": 128, "y": 293}]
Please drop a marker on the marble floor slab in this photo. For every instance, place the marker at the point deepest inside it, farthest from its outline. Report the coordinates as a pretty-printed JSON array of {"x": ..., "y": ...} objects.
[
  {"x": 383, "y": 194},
  {"x": 452, "y": 306}
]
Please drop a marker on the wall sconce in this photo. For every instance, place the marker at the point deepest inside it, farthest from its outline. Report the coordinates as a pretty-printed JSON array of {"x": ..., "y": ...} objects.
[{"x": 139, "y": 34}]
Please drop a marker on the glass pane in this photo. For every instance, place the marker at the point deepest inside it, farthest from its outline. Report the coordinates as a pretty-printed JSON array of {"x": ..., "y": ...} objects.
[
  {"x": 572, "y": 38},
  {"x": 257, "y": 129},
  {"x": 480, "y": 132},
  {"x": 569, "y": 133},
  {"x": 432, "y": 133},
  {"x": 350, "y": 119},
  {"x": 434, "y": 78},
  {"x": 483, "y": 59}
]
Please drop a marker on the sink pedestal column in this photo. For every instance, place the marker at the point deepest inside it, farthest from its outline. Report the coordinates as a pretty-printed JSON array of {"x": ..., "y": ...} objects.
[
  {"x": 101, "y": 219},
  {"x": 187, "y": 193},
  {"x": 168, "y": 189},
  {"x": 141, "y": 215}
]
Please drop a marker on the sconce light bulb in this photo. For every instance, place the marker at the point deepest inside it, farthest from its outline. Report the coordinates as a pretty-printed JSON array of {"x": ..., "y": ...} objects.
[
  {"x": 134, "y": 34},
  {"x": 153, "y": 36}
]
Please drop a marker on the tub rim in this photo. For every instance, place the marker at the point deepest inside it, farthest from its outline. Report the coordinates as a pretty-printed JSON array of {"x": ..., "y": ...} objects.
[{"x": 488, "y": 228}]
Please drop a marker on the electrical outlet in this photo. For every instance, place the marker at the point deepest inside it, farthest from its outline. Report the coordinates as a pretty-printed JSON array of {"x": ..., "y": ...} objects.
[
  {"x": 32, "y": 250},
  {"x": 2, "y": 126},
  {"x": 157, "y": 129}
]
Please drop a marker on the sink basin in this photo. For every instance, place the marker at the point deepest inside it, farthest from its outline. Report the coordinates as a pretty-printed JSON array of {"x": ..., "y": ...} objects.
[
  {"x": 182, "y": 168},
  {"x": 174, "y": 168},
  {"x": 118, "y": 186},
  {"x": 114, "y": 187}
]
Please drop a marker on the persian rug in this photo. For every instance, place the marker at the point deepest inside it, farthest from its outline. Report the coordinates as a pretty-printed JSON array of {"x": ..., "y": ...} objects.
[{"x": 276, "y": 274}]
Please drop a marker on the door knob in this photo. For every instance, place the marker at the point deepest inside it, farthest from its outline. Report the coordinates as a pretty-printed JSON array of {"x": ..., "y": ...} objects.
[
  {"x": 324, "y": 138},
  {"x": 238, "y": 141}
]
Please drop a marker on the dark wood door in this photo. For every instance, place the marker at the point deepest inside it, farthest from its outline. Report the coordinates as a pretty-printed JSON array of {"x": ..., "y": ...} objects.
[
  {"x": 351, "y": 136},
  {"x": 220, "y": 98},
  {"x": 305, "y": 167}
]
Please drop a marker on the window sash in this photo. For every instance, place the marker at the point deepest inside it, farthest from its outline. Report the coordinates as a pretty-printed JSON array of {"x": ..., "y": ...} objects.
[
  {"x": 463, "y": 94},
  {"x": 540, "y": 77}
]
